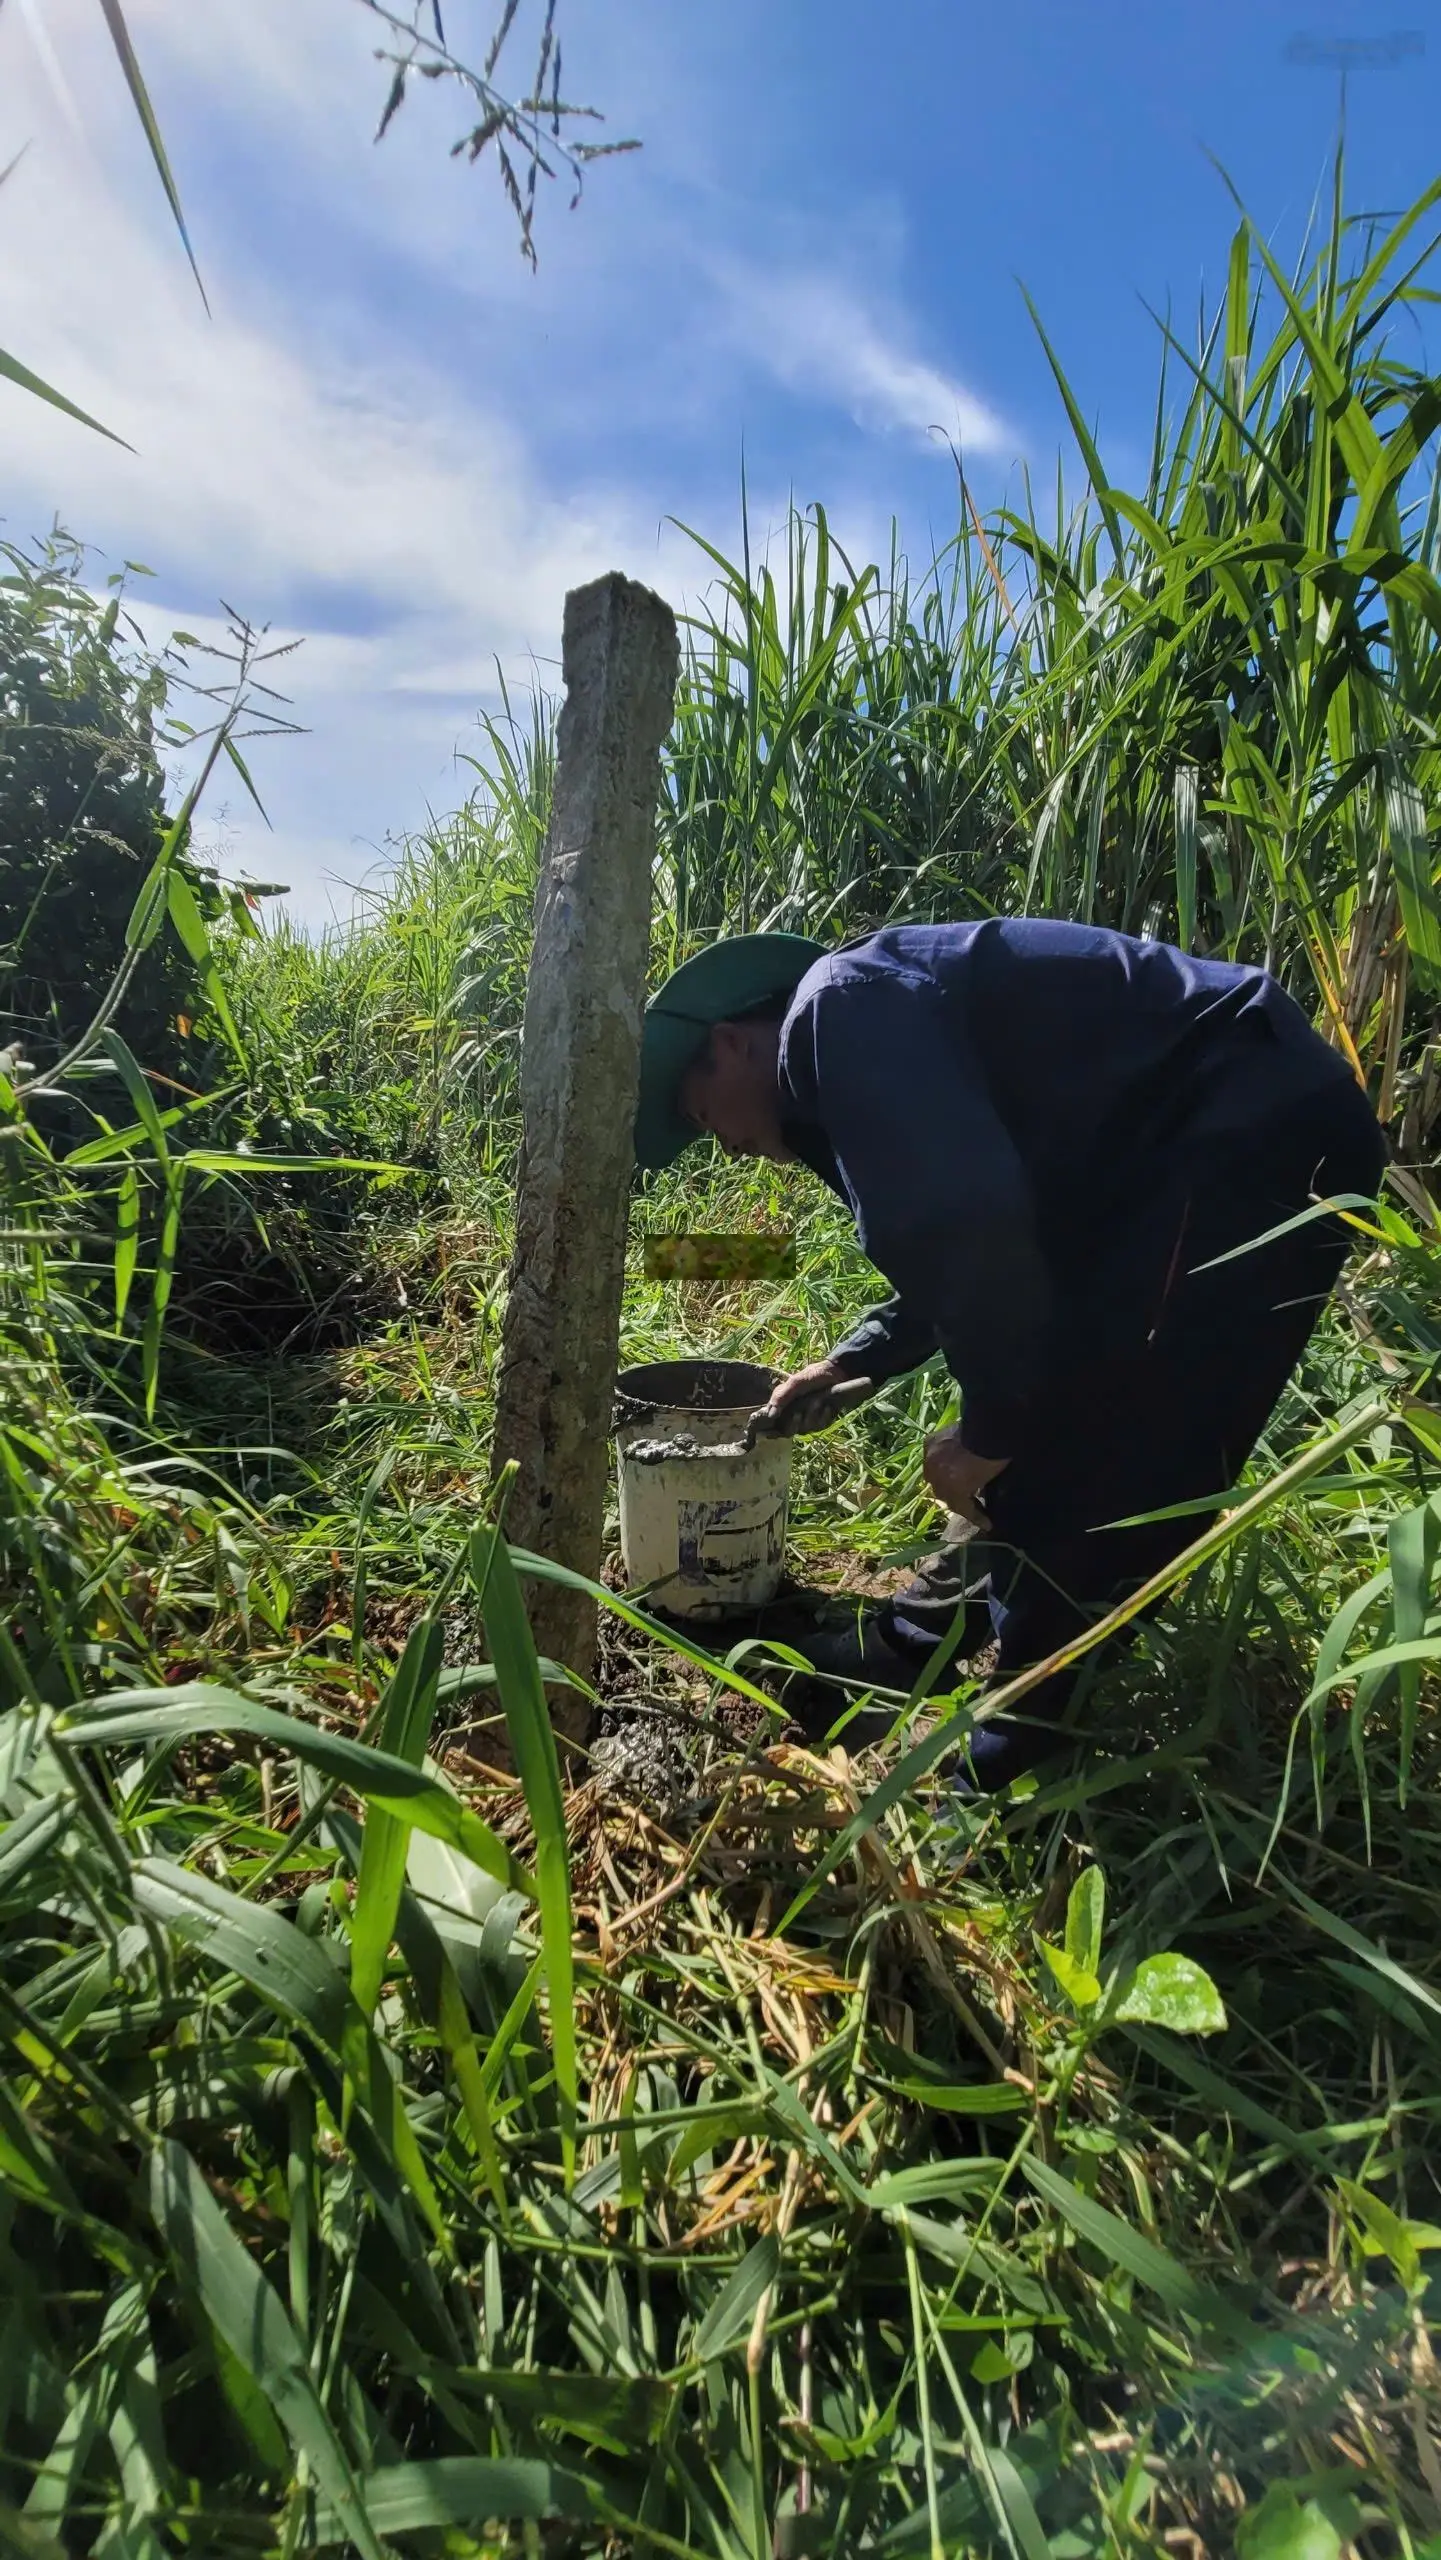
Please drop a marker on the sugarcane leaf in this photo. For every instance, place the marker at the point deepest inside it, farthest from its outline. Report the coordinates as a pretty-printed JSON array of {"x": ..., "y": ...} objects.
[{"x": 11, "y": 370}]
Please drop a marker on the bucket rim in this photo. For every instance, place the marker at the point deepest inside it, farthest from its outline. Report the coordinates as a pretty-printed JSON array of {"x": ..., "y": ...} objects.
[{"x": 717, "y": 1386}]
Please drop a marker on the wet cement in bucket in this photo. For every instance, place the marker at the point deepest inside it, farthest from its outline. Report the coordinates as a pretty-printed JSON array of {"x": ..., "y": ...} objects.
[
  {"x": 683, "y": 1444},
  {"x": 688, "y": 1386}
]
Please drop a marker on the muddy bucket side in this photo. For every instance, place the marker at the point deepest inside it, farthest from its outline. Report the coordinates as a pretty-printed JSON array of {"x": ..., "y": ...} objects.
[{"x": 702, "y": 1519}]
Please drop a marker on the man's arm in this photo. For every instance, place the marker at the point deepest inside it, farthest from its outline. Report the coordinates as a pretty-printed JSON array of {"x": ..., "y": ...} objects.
[
  {"x": 885, "y": 1344},
  {"x": 941, "y": 1199},
  {"x": 888, "y": 1342}
]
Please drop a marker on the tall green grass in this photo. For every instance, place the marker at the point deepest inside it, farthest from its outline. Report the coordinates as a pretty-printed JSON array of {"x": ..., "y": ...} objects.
[
  {"x": 763, "y": 2153},
  {"x": 1205, "y": 707}
]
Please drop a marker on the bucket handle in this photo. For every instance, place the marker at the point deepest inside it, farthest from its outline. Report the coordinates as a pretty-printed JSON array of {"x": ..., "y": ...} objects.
[{"x": 628, "y": 1409}]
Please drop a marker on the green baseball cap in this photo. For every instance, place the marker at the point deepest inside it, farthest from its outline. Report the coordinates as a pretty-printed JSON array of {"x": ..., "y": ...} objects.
[{"x": 720, "y": 984}]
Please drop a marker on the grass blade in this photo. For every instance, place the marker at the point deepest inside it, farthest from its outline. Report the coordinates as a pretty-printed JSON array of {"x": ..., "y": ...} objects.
[
  {"x": 169, "y": 1715},
  {"x": 468, "y": 2490},
  {"x": 404, "y": 1732},
  {"x": 189, "y": 923},
  {"x": 1126, "y": 2247},
  {"x": 310, "y": 1992},
  {"x": 532, "y": 1743},
  {"x": 120, "y": 37},
  {"x": 11, "y": 370},
  {"x": 248, "y": 2314}
]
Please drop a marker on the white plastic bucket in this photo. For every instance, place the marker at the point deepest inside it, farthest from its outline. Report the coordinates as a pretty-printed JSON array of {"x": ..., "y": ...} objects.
[{"x": 702, "y": 1519}]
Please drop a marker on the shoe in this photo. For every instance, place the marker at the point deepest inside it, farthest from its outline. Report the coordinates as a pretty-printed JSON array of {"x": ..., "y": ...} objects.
[
  {"x": 860, "y": 1674},
  {"x": 864, "y": 1650}
]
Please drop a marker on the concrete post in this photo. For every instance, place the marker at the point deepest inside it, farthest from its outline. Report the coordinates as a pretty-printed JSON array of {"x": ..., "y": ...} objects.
[{"x": 580, "y": 1060}]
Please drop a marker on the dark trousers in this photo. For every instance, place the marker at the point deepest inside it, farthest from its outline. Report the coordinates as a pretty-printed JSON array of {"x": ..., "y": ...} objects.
[{"x": 1166, "y": 1375}]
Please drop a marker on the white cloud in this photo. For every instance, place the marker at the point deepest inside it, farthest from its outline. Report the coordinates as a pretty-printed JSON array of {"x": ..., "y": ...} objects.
[
  {"x": 418, "y": 498},
  {"x": 400, "y": 521},
  {"x": 820, "y": 337},
  {"x": 260, "y": 450}
]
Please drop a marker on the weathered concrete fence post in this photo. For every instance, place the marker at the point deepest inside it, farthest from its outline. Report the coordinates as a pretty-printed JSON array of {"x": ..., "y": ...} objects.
[{"x": 580, "y": 1056}]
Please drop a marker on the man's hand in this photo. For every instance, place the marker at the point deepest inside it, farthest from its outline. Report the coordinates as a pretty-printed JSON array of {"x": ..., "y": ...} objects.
[
  {"x": 957, "y": 1476},
  {"x": 811, "y": 1400}
]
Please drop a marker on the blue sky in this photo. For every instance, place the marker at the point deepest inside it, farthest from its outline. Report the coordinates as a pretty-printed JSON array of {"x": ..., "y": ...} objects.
[{"x": 392, "y": 438}]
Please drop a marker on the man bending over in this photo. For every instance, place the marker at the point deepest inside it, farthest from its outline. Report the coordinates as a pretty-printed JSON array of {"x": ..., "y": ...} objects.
[{"x": 1049, "y": 1136}]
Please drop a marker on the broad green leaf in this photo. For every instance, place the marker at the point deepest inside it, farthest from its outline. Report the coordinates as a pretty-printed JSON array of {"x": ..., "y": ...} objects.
[
  {"x": 1388, "y": 2234},
  {"x": 28, "y": 2164},
  {"x": 1085, "y": 1919},
  {"x": 242, "y": 768},
  {"x": 287, "y": 1968},
  {"x": 60, "y": 2476},
  {"x": 896, "y": 2190},
  {"x": 149, "y": 909},
  {"x": 1172, "y": 1991},
  {"x": 1287, "y": 2527},
  {"x": 964, "y": 2097},
  {"x": 1413, "y": 1543},
  {"x": 248, "y": 2314},
  {"x": 1081, "y": 1987},
  {"x": 137, "y": 2440},
  {"x": 1331, "y": 1651},
  {"x": 166, "y": 1251},
  {"x": 126, "y": 1141},
  {"x": 137, "y": 1085},
  {"x": 1414, "y": 861},
  {"x": 1023, "y": 2526},
  {"x": 257, "y": 1160},
  {"x": 253, "y": 2413},
  {"x": 1186, "y": 795},
  {"x": 25, "y": 1841},
  {"x": 996, "y": 2360}
]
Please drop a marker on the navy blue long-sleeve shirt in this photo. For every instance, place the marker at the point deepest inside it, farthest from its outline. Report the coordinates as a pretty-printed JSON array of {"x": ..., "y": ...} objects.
[{"x": 986, "y": 1095}]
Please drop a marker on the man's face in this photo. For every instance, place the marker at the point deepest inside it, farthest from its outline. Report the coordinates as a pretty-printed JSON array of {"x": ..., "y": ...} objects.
[{"x": 731, "y": 1091}]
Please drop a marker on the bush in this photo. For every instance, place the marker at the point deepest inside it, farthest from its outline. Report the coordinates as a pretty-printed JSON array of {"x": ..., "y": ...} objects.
[{"x": 82, "y": 808}]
